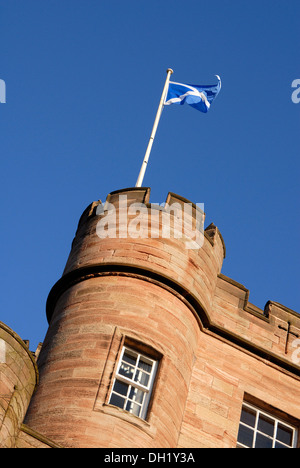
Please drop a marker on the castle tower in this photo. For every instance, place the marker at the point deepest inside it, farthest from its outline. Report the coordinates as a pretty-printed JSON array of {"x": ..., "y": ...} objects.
[
  {"x": 18, "y": 379},
  {"x": 125, "y": 323}
]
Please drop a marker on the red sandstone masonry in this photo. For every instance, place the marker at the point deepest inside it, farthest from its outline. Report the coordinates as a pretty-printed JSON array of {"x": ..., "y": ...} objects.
[
  {"x": 221, "y": 376},
  {"x": 194, "y": 269},
  {"x": 18, "y": 379},
  {"x": 63, "y": 395},
  {"x": 214, "y": 346}
]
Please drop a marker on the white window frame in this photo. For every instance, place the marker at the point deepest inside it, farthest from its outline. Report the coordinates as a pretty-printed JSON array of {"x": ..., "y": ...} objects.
[
  {"x": 146, "y": 389},
  {"x": 276, "y": 422}
]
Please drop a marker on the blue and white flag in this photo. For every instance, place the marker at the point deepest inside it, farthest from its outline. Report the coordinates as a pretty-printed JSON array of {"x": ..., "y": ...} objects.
[{"x": 198, "y": 96}]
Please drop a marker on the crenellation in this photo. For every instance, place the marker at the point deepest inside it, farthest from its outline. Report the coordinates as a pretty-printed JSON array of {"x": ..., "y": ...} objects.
[{"x": 147, "y": 279}]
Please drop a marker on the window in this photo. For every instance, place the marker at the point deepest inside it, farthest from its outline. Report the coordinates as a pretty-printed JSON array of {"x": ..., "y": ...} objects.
[
  {"x": 259, "y": 429},
  {"x": 133, "y": 383}
]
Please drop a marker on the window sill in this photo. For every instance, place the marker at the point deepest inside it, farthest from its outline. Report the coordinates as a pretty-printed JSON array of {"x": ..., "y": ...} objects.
[{"x": 117, "y": 412}]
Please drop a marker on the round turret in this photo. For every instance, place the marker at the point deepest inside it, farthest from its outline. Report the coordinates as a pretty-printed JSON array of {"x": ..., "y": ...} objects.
[
  {"x": 18, "y": 379},
  {"x": 124, "y": 323}
]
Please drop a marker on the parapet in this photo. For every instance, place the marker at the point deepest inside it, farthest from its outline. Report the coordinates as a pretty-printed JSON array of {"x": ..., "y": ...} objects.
[
  {"x": 272, "y": 333},
  {"x": 166, "y": 242}
]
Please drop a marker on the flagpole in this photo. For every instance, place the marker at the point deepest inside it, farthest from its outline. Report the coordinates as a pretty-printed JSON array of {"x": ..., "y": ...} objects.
[{"x": 156, "y": 121}]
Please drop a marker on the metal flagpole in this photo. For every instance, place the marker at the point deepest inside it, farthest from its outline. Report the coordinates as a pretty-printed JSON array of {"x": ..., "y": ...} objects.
[{"x": 158, "y": 114}]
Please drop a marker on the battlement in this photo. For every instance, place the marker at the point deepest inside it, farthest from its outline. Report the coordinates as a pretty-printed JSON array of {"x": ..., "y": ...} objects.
[
  {"x": 165, "y": 241},
  {"x": 157, "y": 249},
  {"x": 147, "y": 278},
  {"x": 176, "y": 217}
]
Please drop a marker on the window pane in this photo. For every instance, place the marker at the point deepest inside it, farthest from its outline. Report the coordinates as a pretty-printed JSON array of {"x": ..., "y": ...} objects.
[
  {"x": 284, "y": 434},
  {"x": 245, "y": 436},
  {"x": 263, "y": 441},
  {"x": 279, "y": 445},
  {"x": 136, "y": 395},
  {"x": 266, "y": 425},
  {"x": 131, "y": 389},
  {"x": 120, "y": 387},
  {"x": 248, "y": 416},
  {"x": 141, "y": 378},
  {"x": 130, "y": 358},
  {"x": 126, "y": 370},
  {"x": 145, "y": 366},
  {"x": 133, "y": 408},
  {"x": 117, "y": 400}
]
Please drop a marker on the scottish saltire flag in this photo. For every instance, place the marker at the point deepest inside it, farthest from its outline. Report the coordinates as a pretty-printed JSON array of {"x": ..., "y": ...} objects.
[{"x": 198, "y": 96}]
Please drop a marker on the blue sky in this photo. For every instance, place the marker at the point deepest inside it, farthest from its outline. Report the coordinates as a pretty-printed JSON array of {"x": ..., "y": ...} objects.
[{"x": 83, "y": 82}]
